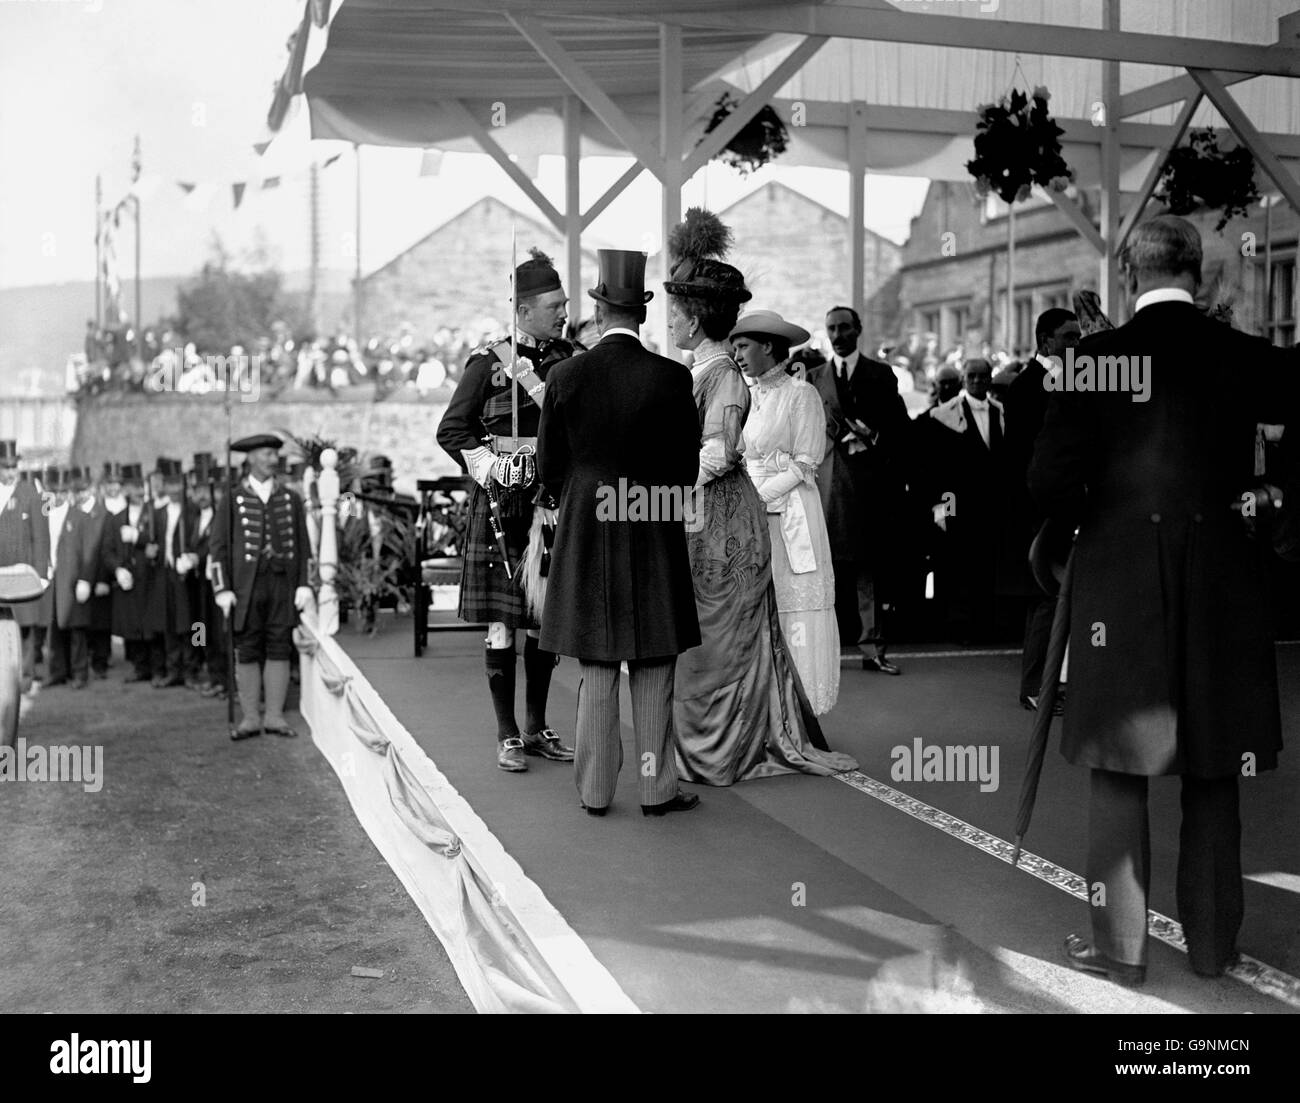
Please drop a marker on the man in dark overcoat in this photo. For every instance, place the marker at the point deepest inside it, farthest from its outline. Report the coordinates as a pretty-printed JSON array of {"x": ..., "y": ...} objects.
[
  {"x": 862, "y": 485},
  {"x": 129, "y": 532},
  {"x": 24, "y": 538},
  {"x": 74, "y": 548},
  {"x": 1172, "y": 667},
  {"x": 169, "y": 616},
  {"x": 619, "y": 426},
  {"x": 1056, "y": 331}
]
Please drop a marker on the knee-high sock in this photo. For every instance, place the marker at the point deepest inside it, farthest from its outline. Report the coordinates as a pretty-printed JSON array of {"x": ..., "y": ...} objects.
[
  {"x": 500, "y": 662},
  {"x": 275, "y": 684},
  {"x": 538, "y": 667},
  {"x": 248, "y": 680}
]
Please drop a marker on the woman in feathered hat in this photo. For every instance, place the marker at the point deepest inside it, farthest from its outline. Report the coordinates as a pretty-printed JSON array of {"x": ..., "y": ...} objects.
[{"x": 740, "y": 710}]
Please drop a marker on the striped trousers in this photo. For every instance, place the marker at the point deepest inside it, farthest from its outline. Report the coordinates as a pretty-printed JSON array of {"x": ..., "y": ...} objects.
[{"x": 598, "y": 754}]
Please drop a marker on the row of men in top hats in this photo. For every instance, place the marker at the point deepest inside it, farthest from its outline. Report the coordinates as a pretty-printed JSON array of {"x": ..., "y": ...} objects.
[{"x": 127, "y": 555}]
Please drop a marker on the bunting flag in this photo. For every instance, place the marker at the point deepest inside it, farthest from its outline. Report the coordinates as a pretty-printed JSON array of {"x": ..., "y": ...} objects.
[
  {"x": 238, "y": 190},
  {"x": 110, "y": 223},
  {"x": 331, "y": 160},
  {"x": 270, "y": 182},
  {"x": 261, "y": 147},
  {"x": 431, "y": 163},
  {"x": 185, "y": 186}
]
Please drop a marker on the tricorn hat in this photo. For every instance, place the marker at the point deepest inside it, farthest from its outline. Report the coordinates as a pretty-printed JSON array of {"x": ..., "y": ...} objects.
[
  {"x": 768, "y": 323},
  {"x": 697, "y": 245},
  {"x": 257, "y": 440},
  {"x": 9, "y": 452},
  {"x": 168, "y": 468},
  {"x": 536, "y": 275},
  {"x": 622, "y": 278}
]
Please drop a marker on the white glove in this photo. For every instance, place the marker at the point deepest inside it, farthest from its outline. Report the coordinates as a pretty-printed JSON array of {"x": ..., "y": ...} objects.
[
  {"x": 226, "y": 601},
  {"x": 124, "y": 579},
  {"x": 186, "y": 562},
  {"x": 101, "y": 589},
  {"x": 151, "y": 551},
  {"x": 480, "y": 462},
  {"x": 941, "y": 517},
  {"x": 303, "y": 598},
  {"x": 129, "y": 534},
  {"x": 83, "y": 591}
]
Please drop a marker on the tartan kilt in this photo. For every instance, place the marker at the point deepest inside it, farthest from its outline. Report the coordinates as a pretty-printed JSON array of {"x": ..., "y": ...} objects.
[{"x": 485, "y": 593}]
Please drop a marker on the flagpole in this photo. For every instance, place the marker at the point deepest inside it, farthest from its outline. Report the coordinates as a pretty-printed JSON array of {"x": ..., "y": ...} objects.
[
  {"x": 139, "y": 308},
  {"x": 99, "y": 254}
]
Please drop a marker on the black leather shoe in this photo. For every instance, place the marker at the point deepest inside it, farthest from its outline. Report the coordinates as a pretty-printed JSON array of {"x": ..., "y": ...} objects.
[
  {"x": 879, "y": 664},
  {"x": 244, "y": 733},
  {"x": 1213, "y": 974},
  {"x": 1030, "y": 704},
  {"x": 682, "y": 802},
  {"x": 595, "y": 811},
  {"x": 546, "y": 744},
  {"x": 1082, "y": 955},
  {"x": 282, "y": 730}
]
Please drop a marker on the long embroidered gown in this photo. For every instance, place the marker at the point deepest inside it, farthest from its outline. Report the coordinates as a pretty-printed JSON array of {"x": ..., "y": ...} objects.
[
  {"x": 785, "y": 442},
  {"x": 739, "y": 709}
]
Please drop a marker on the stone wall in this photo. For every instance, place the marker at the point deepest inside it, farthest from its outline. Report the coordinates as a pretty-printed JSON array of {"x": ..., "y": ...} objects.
[{"x": 139, "y": 428}]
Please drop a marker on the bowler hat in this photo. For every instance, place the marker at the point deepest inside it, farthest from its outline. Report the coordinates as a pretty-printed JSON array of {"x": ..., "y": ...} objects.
[
  {"x": 622, "y": 278},
  {"x": 768, "y": 323}
]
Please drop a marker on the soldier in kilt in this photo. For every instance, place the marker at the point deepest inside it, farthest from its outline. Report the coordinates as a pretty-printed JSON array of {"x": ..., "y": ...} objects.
[{"x": 476, "y": 431}]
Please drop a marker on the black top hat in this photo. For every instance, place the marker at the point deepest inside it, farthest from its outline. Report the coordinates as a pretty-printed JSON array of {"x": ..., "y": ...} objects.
[
  {"x": 52, "y": 478},
  {"x": 622, "y": 278},
  {"x": 697, "y": 245},
  {"x": 131, "y": 473},
  {"x": 169, "y": 468},
  {"x": 204, "y": 467},
  {"x": 112, "y": 472},
  {"x": 9, "y": 452},
  {"x": 80, "y": 478}
]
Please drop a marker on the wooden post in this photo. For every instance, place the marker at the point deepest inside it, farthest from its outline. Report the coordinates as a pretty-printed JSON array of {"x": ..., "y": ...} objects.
[
  {"x": 356, "y": 280},
  {"x": 670, "y": 150},
  {"x": 1108, "y": 275},
  {"x": 1009, "y": 324},
  {"x": 572, "y": 206},
  {"x": 328, "y": 605},
  {"x": 857, "y": 138}
]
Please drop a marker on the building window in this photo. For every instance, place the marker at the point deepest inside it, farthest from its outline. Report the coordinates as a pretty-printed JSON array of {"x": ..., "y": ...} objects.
[
  {"x": 1281, "y": 303},
  {"x": 1056, "y": 298},
  {"x": 930, "y": 321}
]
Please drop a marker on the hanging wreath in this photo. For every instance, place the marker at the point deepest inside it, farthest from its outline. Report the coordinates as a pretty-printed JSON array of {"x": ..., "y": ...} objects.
[
  {"x": 760, "y": 140},
  {"x": 1199, "y": 176},
  {"x": 1017, "y": 145}
]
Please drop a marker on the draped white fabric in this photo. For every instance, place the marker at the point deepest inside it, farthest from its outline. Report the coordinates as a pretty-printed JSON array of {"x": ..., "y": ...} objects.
[{"x": 511, "y": 950}]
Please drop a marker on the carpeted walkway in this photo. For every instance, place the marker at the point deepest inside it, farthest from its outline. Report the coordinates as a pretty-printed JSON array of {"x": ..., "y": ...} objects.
[{"x": 805, "y": 894}]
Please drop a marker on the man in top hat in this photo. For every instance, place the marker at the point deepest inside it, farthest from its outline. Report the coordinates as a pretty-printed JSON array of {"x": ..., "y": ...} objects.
[
  {"x": 207, "y": 671},
  {"x": 128, "y": 532},
  {"x": 24, "y": 538},
  {"x": 74, "y": 552},
  {"x": 477, "y": 432},
  {"x": 99, "y": 630},
  {"x": 259, "y": 555},
  {"x": 621, "y": 588},
  {"x": 862, "y": 484},
  {"x": 169, "y": 618}
]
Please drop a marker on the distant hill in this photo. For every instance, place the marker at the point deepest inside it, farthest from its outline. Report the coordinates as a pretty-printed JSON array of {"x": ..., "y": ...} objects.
[{"x": 42, "y": 325}]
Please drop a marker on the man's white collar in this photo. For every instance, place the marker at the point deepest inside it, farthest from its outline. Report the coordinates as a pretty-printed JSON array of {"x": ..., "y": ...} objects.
[
  {"x": 620, "y": 330},
  {"x": 1162, "y": 295}
]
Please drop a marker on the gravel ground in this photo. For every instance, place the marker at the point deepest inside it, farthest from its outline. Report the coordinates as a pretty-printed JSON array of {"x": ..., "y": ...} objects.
[{"x": 205, "y": 875}]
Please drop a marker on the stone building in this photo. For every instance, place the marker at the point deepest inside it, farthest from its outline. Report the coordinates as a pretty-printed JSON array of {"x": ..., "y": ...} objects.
[
  {"x": 795, "y": 255},
  {"x": 953, "y": 279}
]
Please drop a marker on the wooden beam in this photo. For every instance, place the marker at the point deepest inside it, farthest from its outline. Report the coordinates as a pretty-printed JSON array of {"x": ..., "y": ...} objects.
[
  {"x": 492, "y": 148},
  {"x": 715, "y": 141},
  {"x": 611, "y": 193},
  {"x": 933, "y": 120},
  {"x": 1153, "y": 176},
  {"x": 1174, "y": 90},
  {"x": 857, "y": 162},
  {"x": 586, "y": 88},
  {"x": 671, "y": 96},
  {"x": 1081, "y": 221},
  {"x": 573, "y": 201},
  {"x": 1250, "y": 137}
]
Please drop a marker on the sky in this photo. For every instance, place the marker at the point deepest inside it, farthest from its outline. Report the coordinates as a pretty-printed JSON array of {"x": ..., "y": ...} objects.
[{"x": 193, "y": 78}]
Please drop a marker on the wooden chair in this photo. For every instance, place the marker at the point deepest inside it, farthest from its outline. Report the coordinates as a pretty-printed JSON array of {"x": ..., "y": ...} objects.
[{"x": 439, "y": 551}]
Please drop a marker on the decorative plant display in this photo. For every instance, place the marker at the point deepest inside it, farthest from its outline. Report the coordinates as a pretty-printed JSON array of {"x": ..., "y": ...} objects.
[
  {"x": 761, "y": 140},
  {"x": 1017, "y": 145},
  {"x": 1199, "y": 176}
]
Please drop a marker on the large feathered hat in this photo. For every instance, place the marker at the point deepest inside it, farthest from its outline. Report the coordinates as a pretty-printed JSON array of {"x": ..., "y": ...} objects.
[{"x": 697, "y": 245}]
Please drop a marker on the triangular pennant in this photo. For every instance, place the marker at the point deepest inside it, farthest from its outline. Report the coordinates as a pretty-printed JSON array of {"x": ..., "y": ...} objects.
[
  {"x": 185, "y": 186},
  {"x": 260, "y": 147},
  {"x": 331, "y": 160},
  {"x": 238, "y": 189},
  {"x": 270, "y": 182},
  {"x": 320, "y": 12}
]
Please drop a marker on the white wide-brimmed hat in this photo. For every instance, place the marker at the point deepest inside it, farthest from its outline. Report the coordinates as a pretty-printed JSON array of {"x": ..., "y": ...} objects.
[{"x": 768, "y": 323}]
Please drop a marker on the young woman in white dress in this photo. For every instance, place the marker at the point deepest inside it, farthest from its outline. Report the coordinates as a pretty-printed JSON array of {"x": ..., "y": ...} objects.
[{"x": 785, "y": 442}]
